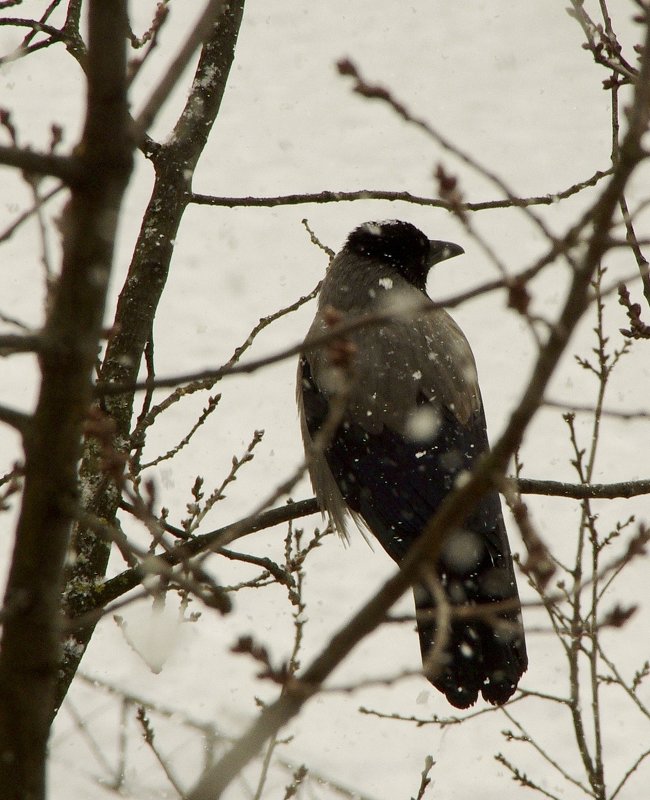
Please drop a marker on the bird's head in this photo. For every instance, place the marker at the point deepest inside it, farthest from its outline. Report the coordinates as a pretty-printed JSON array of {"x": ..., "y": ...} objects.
[{"x": 402, "y": 246}]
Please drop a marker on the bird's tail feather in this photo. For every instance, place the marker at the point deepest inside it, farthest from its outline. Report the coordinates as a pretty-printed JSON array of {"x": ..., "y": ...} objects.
[{"x": 482, "y": 655}]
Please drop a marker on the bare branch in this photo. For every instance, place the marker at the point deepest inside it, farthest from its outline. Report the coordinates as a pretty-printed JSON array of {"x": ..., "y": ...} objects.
[
  {"x": 199, "y": 34},
  {"x": 174, "y": 163},
  {"x": 67, "y": 168},
  {"x": 129, "y": 579},
  {"x": 375, "y": 92},
  {"x": 581, "y": 491},
  {"x": 16, "y": 419},
  {"x": 329, "y": 196},
  {"x": 31, "y": 638},
  {"x": 22, "y": 343},
  {"x": 25, "y": 215}
]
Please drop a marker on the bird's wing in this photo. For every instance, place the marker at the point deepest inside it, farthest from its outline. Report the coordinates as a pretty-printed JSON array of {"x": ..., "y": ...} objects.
[
  {"x": 398, "y": 363},
  {"x": 413, "y": 399}
]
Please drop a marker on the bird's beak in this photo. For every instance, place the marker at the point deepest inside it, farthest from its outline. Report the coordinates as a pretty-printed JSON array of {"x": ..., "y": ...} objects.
[{"x": 441, "y": 251}]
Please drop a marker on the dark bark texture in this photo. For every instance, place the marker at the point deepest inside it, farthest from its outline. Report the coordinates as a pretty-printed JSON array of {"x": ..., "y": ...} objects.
[
  {"x": 174, "y": 163},
  {"x": 30, "y": 654}
]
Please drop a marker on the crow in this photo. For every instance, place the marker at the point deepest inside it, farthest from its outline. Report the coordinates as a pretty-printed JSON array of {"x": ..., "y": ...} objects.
[{"x": 412, "y": 425}]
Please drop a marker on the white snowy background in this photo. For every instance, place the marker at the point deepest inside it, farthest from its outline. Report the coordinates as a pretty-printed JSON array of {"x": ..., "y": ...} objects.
[{"x": 507, "y": 82}]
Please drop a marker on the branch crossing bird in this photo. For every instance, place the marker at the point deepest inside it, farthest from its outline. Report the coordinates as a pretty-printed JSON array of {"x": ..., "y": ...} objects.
[{"x": 411, "y": 425}]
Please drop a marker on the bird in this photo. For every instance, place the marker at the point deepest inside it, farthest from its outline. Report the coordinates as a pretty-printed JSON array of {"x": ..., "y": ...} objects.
[{"x": 410, "y": 425}]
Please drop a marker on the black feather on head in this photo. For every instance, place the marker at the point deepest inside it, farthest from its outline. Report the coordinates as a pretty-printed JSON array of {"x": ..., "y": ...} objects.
[{"x": 401, "y": 246}]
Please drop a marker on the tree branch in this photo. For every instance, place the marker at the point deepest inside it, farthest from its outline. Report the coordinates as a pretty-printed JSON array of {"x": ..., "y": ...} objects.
[
  {"x": 204, "y": 25},
  {"x": 20, "y": 343},
  {"x": 328, "y": 196},
  {"x": 68, "y": 168},
  {"x": 29, "y": 658},
  {"x": 16, "y": 419},
  {"x": 582, "y": 491},
  {"x": 137, "y": 305},
  {"x": 115, "y": 587}
]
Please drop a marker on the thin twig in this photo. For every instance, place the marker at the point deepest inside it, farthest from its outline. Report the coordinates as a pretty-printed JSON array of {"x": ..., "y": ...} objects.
[
  {"x": 25, "y": 215},
  {"x": 329, "y": 196}
]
